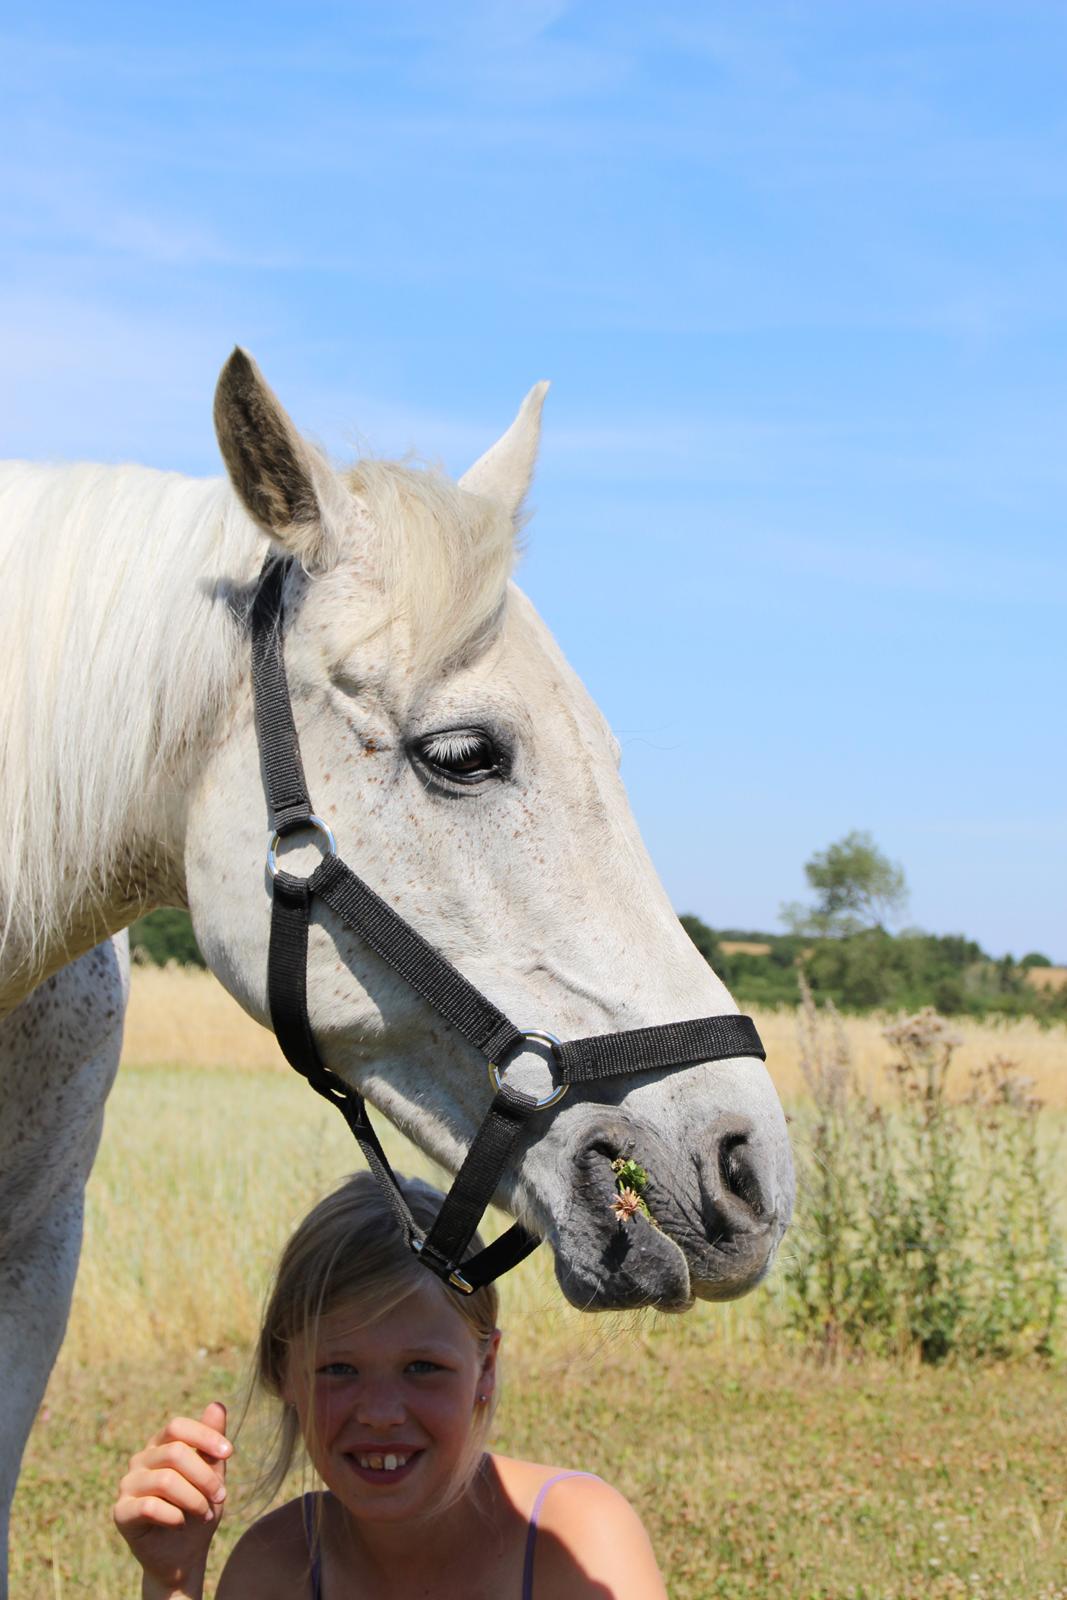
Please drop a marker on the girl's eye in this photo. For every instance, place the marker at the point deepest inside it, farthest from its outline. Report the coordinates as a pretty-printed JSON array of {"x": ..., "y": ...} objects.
[
  {"x": 466, "y": 755},
  {"x": 337, "y": 1369},
  {"x": 420, "y": 1367}
]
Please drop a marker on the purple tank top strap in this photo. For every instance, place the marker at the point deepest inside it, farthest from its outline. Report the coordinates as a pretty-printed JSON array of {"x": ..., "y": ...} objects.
[
  {"x": 314, "y": 1553},
  {"x": 531, "y": 1532}
]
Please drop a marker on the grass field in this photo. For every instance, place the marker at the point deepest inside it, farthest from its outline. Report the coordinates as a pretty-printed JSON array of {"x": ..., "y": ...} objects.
[
  {"x": 183, "y": 1015},
  {"x": 757, "y": 1471}
]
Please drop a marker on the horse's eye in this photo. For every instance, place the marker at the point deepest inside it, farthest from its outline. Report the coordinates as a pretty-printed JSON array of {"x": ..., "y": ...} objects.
[{"x": 466, "y": 755}]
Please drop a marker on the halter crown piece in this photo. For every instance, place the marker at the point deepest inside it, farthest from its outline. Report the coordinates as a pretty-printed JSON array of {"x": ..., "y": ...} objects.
[{"x": 442, "y": 1249}]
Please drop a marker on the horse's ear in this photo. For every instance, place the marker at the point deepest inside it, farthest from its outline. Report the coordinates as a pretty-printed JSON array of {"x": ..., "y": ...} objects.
[
  {"x": 504, "y": 473},
  {"x": 285, "y": 484}
]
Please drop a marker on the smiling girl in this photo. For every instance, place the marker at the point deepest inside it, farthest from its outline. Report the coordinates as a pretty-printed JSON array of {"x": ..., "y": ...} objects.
[{"x": 387, "y": 1378}]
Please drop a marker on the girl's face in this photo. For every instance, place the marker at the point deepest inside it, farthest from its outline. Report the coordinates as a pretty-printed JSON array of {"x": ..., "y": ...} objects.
[{"x": 386, "y": 1409}]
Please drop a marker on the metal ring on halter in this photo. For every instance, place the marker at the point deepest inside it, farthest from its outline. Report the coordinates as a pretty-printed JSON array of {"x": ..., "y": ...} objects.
[
  {"x": 496, "y": 1077},
  {"x": 455, "y": 1278},
  {"x": 309, "y": 822}
]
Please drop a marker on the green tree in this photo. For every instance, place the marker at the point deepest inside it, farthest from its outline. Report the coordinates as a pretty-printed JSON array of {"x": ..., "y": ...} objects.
[
  {"x": 707, "y": 942},
  {"x": 856, "y": 887},
  {"x": 166, "y": 935}
]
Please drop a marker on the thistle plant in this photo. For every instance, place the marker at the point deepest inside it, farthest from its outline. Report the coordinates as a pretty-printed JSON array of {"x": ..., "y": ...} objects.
[
  {"x": 923, "y": 1225},
  {"x": 1021, "y": 1271}
]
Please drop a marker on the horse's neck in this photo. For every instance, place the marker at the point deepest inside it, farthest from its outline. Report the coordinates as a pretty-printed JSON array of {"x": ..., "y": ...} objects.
[{"x": 120, "y": 651}]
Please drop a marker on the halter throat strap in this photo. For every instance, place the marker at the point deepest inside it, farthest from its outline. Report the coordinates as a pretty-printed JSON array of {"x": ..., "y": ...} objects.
[{"x": 452, "y": 996}]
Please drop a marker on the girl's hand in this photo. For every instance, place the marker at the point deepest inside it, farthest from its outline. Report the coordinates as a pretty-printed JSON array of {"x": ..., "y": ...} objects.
[{"x": 170, "y": 1501}]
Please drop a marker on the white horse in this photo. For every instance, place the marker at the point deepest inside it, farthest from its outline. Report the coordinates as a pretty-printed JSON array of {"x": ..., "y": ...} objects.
[{"x": 469, "y": 779}]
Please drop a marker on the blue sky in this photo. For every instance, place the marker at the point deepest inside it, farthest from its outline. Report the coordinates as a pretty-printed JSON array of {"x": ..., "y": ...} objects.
[{"x": 798, "y": 273}]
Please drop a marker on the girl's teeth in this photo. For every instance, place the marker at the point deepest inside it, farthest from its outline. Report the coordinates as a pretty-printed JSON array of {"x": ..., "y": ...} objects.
[{"x": 389, "y": 1463}]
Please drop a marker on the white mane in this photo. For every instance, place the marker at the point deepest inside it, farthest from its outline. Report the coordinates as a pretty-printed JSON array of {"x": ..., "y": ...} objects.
[
  {"x": 119, "y": 651},
  {"x": 112, "y": 664}
]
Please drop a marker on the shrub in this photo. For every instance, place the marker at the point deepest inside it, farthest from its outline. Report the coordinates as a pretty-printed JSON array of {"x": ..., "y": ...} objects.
[{"x": 923, "y": 1226}]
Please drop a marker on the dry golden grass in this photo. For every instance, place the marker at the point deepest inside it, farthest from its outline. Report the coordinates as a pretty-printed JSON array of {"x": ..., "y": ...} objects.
[
  {"x": 1041, "y": 1053},
  {"x": 203, "y": 1172},
  {"x": 757, "y": 1474},
  {"x": 182, "y": 1014},
  {"x": 775, "y": 1478},
  {"x": 1047, "y": 977}
]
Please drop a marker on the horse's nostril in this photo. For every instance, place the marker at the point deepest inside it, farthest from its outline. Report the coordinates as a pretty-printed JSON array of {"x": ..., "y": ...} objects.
[
  {"x": 738, "y": 1173},
  {"x": 611, "y": 1137},
  {"x": 732, "y": 1189}
]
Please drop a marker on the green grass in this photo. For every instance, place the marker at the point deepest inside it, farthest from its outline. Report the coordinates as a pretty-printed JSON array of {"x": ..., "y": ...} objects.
[{"x": 757, "y": 1472}]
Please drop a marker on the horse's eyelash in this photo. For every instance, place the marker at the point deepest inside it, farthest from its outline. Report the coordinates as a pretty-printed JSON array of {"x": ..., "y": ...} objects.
[{"x": 453, "y": 746}]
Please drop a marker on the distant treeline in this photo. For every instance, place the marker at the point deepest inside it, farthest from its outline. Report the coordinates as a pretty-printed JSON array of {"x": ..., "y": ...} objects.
[
  {"x": 862, "y": 971},
  {"x": 876, "y": 970},
  {"x": 165, "y": 936}
]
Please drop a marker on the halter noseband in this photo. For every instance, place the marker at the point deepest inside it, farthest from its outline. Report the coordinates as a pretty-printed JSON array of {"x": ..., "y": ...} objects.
[{"x": 443, "y": 1249}]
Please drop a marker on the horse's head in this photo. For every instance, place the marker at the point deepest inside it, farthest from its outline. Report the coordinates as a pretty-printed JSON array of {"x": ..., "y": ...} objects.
[{"x": 472, "y": 782}]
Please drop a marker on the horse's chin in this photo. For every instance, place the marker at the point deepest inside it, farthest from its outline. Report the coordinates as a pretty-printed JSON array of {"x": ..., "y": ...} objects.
[{"x": 632, "y": 1264}]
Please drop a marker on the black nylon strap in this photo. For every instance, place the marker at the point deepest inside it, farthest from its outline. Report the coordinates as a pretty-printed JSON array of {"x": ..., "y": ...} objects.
[
  {"x": 353, "y": 1108},
  {"x": 479, "y": 1175},
  {"x": 673, "y": 1044},
  {"x": 452, "y": 995},
  {"x": 287, "y": 997},
  {"x": 287, "y": 975},
  {"x": 500, "y": 1256},
  {"x": 279, "y": 746},
  {"x": 445, "y": 1249},
  {"x": 484, "y": 1025}
]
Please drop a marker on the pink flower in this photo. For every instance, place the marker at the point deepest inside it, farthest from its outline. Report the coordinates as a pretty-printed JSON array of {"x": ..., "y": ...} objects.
[{"x": 626, "y": 1204}]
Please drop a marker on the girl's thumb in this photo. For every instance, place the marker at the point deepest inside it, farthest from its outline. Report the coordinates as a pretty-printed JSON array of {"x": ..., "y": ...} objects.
[{"x": 214, "y": 1416}]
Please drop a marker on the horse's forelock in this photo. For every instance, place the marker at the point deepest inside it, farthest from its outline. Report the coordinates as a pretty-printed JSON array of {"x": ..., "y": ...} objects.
[{"x": 440, "y": 556}]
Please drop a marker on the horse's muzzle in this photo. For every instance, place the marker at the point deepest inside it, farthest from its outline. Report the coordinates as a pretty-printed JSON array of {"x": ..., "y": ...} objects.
[{"x": 712, "y": 1229}]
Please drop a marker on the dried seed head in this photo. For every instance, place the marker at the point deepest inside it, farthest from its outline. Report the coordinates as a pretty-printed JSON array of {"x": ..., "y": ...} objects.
[{"x": 626, "y": 1204}]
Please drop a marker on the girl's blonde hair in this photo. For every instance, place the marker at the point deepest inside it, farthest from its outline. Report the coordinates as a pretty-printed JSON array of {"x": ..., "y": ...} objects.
[{"x": 350, "y": 1251}]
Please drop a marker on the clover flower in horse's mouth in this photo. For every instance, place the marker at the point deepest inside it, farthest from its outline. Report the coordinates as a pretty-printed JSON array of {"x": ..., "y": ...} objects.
[
  {"x": 631, "y": 1181},
  {"x": 627, "y": 1203}
]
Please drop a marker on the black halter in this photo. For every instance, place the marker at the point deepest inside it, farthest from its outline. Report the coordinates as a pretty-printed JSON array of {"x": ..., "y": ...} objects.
[{"x": 443, "y": 1249}]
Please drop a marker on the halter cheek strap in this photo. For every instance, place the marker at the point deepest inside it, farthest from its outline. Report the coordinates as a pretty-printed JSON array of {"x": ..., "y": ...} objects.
[{"x": 446, "y": 990}]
